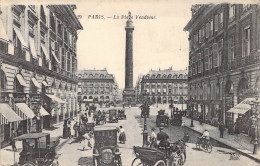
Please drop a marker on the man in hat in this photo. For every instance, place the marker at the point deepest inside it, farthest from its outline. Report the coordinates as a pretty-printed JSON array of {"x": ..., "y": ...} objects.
[
  {"x": 205, "y": 137},
  {"x": 163, "y": 138}
]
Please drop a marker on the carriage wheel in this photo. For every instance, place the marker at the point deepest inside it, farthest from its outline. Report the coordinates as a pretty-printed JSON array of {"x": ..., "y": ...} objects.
[
  {"x": 208, "y": 147},
  {"x": 137, "y": 162},
  {"x": 160, "y": 163},
  {"x": 119, "y": 161}
]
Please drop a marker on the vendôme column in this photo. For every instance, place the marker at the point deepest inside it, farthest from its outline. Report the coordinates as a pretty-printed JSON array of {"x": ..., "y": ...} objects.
[{"x": 129, "y": 93}]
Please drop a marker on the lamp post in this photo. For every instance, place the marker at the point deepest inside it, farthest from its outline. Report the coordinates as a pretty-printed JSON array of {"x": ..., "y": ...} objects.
[
  {"x": 191, "y": 122},
  {"x": 254, "y": 106},
  {"x": 145, "y": 109}
]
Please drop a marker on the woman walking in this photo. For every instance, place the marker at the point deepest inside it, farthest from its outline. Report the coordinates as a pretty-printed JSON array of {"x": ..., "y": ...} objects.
[{"x": 122, "y": 137}]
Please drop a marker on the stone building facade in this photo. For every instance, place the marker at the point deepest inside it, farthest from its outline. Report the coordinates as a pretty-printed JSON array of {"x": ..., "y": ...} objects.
[
  {"x": 223, "y": 58},
  {"x": 97, "y": 86},
  {"x": 38, "y": 54},
  {"x": 163, "y": 86}
]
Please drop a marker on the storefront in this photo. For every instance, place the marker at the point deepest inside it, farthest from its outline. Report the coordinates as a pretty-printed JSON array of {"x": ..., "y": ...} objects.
[{"x": 8, "y": 120}]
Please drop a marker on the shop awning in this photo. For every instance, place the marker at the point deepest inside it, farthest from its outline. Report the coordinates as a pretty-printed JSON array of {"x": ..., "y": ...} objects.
[
  {"x": 21, "y": 80},
  {"x": 56, "y": 99},
  {"x": 32, "y": 47},
  {"x": 24, "y": 111},
  {"x": 7, "y": 114},
  {"x": 43, "y": 112},
  {"x": 3, "y": 32},
  {"x": 45, "y": 83},
  {"x": 45, "y": 52},
  {"x": 20, "y": 36},
  {"x": 90, "y": 100},
  {"x": 55, "y": 57},
  {"x": 242, "y": 107},
  {"x": 36, "y": 83}
]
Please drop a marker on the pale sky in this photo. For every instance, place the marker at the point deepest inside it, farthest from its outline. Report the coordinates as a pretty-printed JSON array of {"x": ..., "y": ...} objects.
[{"x": 157, "y": 43}]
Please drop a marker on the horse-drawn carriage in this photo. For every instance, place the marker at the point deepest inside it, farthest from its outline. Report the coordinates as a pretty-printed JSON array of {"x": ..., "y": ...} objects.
[
  {"x": 176, "y": 117},
  {"x": 172, "y": 155},
  {"x": 121, "y": 114},
  {"x": 162, "y": 119},
  {"x": 38, "y": 149},
  {"x": 113, "y": 116},
  {"x": 106, "y": 151}
]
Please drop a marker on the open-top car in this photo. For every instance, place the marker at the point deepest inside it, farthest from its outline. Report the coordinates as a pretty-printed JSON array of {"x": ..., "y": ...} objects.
[
  {"x": 106, "y": 152},
  {"x": 38, "y": 149},
  {"x": 113, "y": 116}
]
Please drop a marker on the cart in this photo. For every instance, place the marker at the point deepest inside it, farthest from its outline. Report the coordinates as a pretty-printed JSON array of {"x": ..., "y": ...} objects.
[
  {"x": 106, "y": 151},
  {"x": 121, "y": 114},
  {"x": 38, "y": 149}
]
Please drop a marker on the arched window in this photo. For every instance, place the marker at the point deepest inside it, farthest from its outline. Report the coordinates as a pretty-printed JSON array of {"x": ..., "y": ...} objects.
[
  {"x": 3, "y": 80},
  {"x": 164, "y": 76},
  {"x": 158, "y": 76}
]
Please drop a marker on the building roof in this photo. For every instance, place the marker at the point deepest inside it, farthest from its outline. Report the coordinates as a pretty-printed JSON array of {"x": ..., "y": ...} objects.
[
  {"x": 95, "y": 74},
  {"x": 169, "y": 73}
]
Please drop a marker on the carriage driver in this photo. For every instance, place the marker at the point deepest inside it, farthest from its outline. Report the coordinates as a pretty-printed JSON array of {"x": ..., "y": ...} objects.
[{"x": 163, "y": 138}]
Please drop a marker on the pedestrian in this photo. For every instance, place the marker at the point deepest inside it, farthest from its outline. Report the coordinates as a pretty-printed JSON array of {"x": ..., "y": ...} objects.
[
  {"x": 87, "y": 143},
  {"x": 65, "y": 129},
  {"x": 76, "y": 129},
  {"x": 153, "y": 139},
  {"x": 12, "y": 142},
  {"x": 221, "y": 129},
  {"x": 201, "y": 119},
  {"x": 69, "y": 129},
  {"x": 122, "y": 136}
]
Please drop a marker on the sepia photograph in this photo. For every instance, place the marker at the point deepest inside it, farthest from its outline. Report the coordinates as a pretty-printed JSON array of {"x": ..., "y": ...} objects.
[{"x": 129, "y": 83}]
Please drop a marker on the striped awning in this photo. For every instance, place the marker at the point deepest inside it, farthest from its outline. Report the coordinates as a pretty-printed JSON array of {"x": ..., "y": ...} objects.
[
  {"x": 7, "y": 114},
  {"x": 45, "y": 83},
  {"x": 43, "y": 112},
  {"x": 24, "y": 111},
  {"x": 21, "y": 80},
  {"x": 56, "y": 99},
  {"x": 36, "y": 83}
]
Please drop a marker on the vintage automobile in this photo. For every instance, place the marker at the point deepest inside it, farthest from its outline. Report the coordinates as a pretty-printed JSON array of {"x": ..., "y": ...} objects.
[
  {"x": 176, "y": 118},
  {"x": 38, "y": 149},
  {"x": 106, "y": 151},
  {"x": 113, "y": 117},
  {"x": 121, "y": 114},
  {"x": 172, "y": 155},
  {"x": 162, "y": 119}
]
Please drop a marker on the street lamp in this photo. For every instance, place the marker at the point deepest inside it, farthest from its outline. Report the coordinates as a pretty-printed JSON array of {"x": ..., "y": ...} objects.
[
  {"x": 145, "y": 109},
  {"x": 191, "y": 122},
  {"x": 254, "y": 107}
]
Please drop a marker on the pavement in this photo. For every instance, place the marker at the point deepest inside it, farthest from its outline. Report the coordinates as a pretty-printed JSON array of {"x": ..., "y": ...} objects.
[
  {"x": 238, "y": 142},
  {"x": 9, "y": 157}
]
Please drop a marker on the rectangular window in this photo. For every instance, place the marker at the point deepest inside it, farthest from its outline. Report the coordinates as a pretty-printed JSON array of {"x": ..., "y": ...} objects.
[
  {"x": 206, "y": 58},
  {"x": 216, "y": 22},
  {"x": 207, "y": 29},
  {"x": 199, "y": 62},
  {"x": 210, "y": 58},
  {"x": 231, "y": 53},
  {"x": 220, "y": 50},
  {"x": 215, "y": 54},
  {"x": 246, "y": 41},
  {"x": 200, "y": 36},
  {"x": 211, "y": 27},
  {"x": 63, "y": 59},
  {"x": 246, "y": 7},
  {"x": 232, "y": 12}
]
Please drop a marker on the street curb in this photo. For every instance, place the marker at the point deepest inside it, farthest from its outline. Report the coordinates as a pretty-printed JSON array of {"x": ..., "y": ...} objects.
[{"x": 243, "y": 153}]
